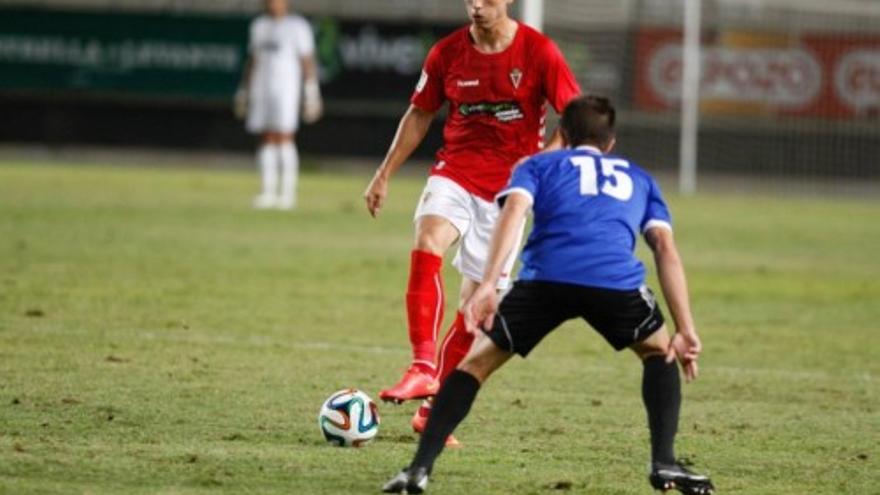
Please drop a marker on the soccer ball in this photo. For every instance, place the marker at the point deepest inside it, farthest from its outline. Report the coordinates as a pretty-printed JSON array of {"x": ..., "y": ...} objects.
[{"x": 349, "y": 418}]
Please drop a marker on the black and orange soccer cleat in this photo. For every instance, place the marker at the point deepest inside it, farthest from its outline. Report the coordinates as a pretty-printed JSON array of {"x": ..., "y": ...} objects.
[
  {"x": 677, "y": 476},
  {"x": 409, "y": 480}
]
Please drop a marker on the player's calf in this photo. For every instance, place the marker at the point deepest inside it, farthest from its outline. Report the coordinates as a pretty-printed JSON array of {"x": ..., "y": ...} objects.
[{"x": 420, "y": 420}]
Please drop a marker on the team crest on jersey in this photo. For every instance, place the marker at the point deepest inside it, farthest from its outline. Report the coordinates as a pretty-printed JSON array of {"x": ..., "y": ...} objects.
[{"x": 516, "y": 77}]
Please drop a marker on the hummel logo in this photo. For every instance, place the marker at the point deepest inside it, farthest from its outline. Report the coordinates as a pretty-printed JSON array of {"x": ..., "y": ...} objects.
[{"x": 468, "y": 84}]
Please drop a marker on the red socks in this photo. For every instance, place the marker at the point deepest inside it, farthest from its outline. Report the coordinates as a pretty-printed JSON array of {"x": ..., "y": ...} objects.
[
  {"x": 424, "y": 307},
  {"x": 454, "y": 348}
]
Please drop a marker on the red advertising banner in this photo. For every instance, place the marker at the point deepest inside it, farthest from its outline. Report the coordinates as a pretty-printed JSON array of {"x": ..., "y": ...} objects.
[{"x": 827, "y": 75}]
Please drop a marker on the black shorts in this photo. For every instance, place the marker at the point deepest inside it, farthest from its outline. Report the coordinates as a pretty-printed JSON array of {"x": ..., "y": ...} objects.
[{"x": 533, "y": 309}]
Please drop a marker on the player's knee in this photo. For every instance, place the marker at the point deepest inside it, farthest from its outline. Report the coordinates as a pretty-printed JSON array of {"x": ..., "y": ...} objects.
[
  {"x": 429, "y": 244},
  {"x": 483, "y": 359},
  {"x": 475, "y": 368},
  {"x": 478, "y": 363},
  {"x": 468, "y": 287},
  {"x": 434, "y": 234},
  {"x": 433, "y": 240},
  {"x": 655, "y": 344},
  {"x": 645, "y": 354}
]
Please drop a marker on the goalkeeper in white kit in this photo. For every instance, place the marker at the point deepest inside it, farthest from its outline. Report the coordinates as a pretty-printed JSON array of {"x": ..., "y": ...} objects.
[{"x": 280, "y": 67}]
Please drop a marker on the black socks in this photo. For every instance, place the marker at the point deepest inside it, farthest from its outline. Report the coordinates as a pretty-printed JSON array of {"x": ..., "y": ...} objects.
[
  {"x": 661, "y": 392},
  {"x": 451, "y": 405}
]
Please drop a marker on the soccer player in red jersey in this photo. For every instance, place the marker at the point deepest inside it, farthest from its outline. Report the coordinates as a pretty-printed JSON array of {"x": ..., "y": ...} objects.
[{"x": 497, "y": 76}]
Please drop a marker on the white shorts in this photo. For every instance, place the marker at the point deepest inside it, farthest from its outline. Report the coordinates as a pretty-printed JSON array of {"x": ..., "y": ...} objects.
[
  {"x": 273, "y": 111},
  {"x": 474, "y": 218}
]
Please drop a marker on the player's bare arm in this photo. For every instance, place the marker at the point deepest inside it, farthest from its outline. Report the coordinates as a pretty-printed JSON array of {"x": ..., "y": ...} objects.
[
  {"x": 410, "y": 132},
  {"x": 685, "y": 343},
  {"x": 481, "y": 306}
]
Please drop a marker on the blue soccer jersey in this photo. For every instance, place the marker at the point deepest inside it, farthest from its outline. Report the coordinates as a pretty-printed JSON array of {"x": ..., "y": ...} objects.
[{"x": 588, "y": 211}]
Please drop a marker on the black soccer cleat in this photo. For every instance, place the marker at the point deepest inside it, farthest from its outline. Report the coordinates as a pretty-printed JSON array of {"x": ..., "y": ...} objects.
[
  {"x": 409, "y": 480},
  {"x": 677, "y": 476}
]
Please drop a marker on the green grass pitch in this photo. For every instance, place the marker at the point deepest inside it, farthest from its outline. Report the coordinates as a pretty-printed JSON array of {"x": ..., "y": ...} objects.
[{"x": 159, "y": 336}]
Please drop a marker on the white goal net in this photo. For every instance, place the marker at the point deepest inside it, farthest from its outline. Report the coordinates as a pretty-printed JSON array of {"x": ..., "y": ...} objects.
[{"x": 789, "y": 91}]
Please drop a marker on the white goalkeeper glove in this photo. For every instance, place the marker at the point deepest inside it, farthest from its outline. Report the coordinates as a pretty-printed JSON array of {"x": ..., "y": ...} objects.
[
  {"x": 240, "y": 103},
  {"x": 313, "y": 107}
]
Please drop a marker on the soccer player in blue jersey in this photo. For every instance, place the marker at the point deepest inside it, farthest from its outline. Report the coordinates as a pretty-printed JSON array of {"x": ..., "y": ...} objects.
[{"x": 589, "y": 208}]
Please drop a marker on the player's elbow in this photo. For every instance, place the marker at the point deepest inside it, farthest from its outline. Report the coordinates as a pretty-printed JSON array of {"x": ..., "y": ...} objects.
[{"x": 516, "y": 205}]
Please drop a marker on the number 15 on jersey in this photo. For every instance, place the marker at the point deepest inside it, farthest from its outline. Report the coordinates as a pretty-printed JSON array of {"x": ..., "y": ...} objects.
[{"x": 617, "y": 183}]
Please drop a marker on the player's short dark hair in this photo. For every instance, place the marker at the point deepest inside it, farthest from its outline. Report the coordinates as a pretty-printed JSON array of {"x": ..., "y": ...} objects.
[{"x": 588, "y": 119}]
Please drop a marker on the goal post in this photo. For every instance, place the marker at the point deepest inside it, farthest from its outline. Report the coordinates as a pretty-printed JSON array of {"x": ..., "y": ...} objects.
[
  {"x": 690, "y": 101},
  {"x": 533, "y": 13}
]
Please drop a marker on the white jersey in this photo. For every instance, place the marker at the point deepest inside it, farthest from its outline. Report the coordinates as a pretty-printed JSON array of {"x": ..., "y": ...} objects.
[{"x": 277, "y": 47}]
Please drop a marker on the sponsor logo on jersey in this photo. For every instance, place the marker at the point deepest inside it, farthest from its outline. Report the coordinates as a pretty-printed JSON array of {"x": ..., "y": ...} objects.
[
  {"x": 516, "y": 77},
  {"x": 468, "y": 84},
  {"x": 270, "y": 46},
  {"x": 504, "y": 111}
]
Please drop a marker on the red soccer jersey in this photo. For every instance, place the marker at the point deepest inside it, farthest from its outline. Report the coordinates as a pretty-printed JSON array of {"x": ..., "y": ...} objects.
[{"x": 496, "y": 104}]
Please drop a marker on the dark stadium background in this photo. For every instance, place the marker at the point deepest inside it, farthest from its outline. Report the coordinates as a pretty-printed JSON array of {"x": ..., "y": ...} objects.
[{"x": 154, "y": 83}]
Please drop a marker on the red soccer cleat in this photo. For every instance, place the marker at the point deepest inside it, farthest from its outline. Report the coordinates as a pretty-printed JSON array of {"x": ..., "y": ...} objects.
[
  {"x": 420, "y": 419},
  {"x": 415, "y": 384}
]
